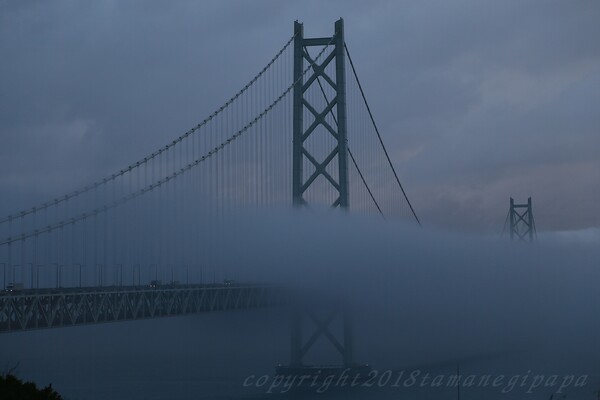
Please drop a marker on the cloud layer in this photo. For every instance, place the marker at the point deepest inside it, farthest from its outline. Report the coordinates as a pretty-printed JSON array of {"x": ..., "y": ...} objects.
[{"x": 477, "y": 101}]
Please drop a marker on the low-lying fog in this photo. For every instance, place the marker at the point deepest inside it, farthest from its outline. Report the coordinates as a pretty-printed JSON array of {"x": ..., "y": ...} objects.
[{"x": 422, "y": 299}]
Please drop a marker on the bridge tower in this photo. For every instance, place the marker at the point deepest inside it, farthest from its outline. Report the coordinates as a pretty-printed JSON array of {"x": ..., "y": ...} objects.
[
  {"x": 521, "y": 223},
  {"x": 336, "y": 108}
]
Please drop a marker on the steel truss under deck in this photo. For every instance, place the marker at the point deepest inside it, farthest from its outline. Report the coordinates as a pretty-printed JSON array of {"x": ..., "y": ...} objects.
[{"x": 52, "y": 309}]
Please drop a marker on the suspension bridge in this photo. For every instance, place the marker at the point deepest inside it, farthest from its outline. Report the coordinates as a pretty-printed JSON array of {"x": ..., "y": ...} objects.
[{"x": 146, "y": 241}]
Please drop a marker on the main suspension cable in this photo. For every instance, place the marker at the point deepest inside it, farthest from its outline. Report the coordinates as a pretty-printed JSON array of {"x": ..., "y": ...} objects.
[
  {"x": 61, "y": 224},
  {"x": 349, "y": 152},
  {"x": 379, "y": 135},
  {"x": 145, "y": 160}
]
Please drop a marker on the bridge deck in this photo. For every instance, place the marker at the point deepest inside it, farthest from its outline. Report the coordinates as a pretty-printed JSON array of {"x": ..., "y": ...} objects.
[{"x": 51, "y": 308}]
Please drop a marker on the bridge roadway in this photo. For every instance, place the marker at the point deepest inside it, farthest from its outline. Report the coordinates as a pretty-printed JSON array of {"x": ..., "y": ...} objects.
[{"x": 52, "y": 308}]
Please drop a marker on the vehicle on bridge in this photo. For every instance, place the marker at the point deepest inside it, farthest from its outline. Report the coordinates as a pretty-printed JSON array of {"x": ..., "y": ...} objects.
[
  {"x": 154, "y": 284},
  {"x": 14, "y": 287}
]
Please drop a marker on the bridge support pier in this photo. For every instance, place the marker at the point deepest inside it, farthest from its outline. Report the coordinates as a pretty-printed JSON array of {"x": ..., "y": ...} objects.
[
  {"x": 300, "y": 347},
  {"x": 323, "y": 323}
]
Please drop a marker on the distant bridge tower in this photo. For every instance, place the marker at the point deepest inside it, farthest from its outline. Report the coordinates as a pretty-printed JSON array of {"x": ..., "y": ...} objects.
[{"x": 521, "y": 222}]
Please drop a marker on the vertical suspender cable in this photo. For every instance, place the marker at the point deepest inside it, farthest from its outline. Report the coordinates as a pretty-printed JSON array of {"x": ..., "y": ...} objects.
[{"x": 379, "y": 136}]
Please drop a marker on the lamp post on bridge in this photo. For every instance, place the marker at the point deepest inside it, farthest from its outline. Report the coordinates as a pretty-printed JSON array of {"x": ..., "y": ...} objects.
[
  {"x": 79, "y": 265},
  {"x": 4, "y": 275},
  {"x": 60, "y": 273},
  {"x": 139, "y": 267},
  {"x": 155, "y": 271},
  {"x": 31, "y": 264},
  {"x": 37, "y": 275},
  {"x": 100, "y": 277},
  {"x": 22, "y": 275},
  {"x": 120, "y": 265},
  {"x": 56, "y": 265}
]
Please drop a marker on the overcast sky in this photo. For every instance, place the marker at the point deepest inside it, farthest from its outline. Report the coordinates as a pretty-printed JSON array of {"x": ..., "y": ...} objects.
[{"x": 478, "y": 101}]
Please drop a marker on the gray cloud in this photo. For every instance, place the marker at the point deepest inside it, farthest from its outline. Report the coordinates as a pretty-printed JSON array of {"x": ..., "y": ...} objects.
[{"x": 477, "y": 101}]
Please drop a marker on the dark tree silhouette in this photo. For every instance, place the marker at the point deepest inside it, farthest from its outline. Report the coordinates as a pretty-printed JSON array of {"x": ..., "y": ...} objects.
[{"x": 12, "y": 388}]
